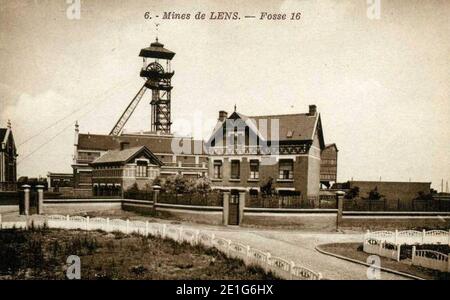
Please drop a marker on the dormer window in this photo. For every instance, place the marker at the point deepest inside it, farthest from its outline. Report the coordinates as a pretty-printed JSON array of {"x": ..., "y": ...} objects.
[{"x": 290, "y": 134}]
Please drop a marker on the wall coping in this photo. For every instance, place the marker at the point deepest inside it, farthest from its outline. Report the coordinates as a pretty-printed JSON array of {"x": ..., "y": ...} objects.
[
  {"x": 189, "y": 207},
  {"x": 396, "y": 213},
  {"x": 290, "y": 210}
]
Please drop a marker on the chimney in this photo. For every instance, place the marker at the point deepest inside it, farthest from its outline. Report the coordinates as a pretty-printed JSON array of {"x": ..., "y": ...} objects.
[
  {"x": 312, "y": 110},
  {"x": 75, "y": 143},
  {"x": 222, "y": 115},
  {"x": 124, "y": 145}
]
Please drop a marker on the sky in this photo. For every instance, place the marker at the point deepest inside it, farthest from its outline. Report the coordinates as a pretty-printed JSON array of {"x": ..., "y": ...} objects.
[{"x": 381, "y": 84}]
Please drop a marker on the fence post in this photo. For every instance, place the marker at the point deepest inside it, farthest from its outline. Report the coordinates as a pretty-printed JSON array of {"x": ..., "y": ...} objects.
[
  {"x": 423, "y": 236},
  {"x": 291, "y": 270},
  {"x": 398, "y": 252},
  {"x": 40, "y": 204},
  {"x": 0, "y": 221},
  {"x": 128, "y": 226},
  {"x": 340, "y": 207},
  {"x": 268, "y": 261},
  {"x": 107, "y": 225},
  {"x": 197, "y": 236},
  {"x": 26, "y": 197},
  {"x": 87, "y": 222},
  {"x": 396, "y": 236},
  {"x": 180, "y": 234},
  {"x": 163, "y": 233},
  {"x": 146, "y": 228}
]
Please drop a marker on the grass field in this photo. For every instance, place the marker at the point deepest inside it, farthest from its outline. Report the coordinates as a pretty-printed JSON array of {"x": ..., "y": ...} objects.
[{"x": 42, "y": 254}]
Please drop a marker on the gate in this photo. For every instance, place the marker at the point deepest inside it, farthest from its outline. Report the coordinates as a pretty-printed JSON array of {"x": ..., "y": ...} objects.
[{"x": 233, "y": 213}]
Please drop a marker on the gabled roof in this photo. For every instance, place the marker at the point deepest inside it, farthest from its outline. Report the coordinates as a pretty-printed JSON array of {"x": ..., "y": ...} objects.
[
  {"x": 155, "y": 143},
  {"x": 126, "y": 155},
  {"x": 5, "y": 134},
  {"x": 292, "y": 127},
  {"x": 2, "y": 134},
  {"x": 333, "y": 145}
]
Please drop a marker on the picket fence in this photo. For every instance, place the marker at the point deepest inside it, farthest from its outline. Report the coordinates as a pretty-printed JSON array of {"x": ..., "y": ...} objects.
[
  {"x": 411, "y": 237},
  {"x": 430, "y": 259},
  {"x": 251, "y": 256},
  {"x": 382, "y": 248}
]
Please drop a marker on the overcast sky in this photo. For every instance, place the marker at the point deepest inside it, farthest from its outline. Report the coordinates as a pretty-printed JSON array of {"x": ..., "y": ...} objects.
[{"x": 381, "y": 85}]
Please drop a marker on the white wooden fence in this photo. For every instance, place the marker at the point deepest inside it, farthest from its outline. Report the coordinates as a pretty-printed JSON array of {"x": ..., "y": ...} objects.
[
  {"x": 411, "y": 237},
  {"x": 430, "y": 259},
  {"x": 382, "y": 248},
  {"x": 251, "y": 256}
]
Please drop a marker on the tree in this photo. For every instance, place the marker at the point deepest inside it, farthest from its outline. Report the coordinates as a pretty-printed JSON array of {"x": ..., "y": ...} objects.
[
  {"x": 203, "y": 185},
  {"x": 352, "y": 193},
  {"x": 267, "y": 189},
  {"x": 374, "y": 195}
]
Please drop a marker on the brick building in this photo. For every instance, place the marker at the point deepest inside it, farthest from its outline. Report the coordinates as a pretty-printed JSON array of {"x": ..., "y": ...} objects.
[
  {"x": 118, "y": 170},
  {"x": 283, "y": 149},
  {"x": 90, "y": 147}
]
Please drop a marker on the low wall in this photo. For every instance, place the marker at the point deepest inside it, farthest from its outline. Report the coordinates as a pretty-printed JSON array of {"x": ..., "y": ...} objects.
[
  {"x": 189, "y": 213},
  {"x": 139, "y": 206},
  {"x": 395, "y": 220},
  {"x": 79, "y": 206},
  {"x": 312, "y": 219}
]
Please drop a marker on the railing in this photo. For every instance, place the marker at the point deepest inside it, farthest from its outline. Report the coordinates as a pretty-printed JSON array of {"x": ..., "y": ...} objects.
[
  {"x": 251, "y": 256},
  {"x": 411, "y": 237},
  {"x": 430, "y": 259},
  {"x": 208, "y": 199},
  {"x": 435, "y": 204},
  {"x": 290, "y": 201},
  {"x": 382, "y": 248},
  {"x": 8, "y": 186},
  {"x": 241, "y": 149}
]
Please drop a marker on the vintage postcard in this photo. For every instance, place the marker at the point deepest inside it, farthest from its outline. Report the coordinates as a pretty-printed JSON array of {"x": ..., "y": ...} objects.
[{"x": 225, "y": 140}]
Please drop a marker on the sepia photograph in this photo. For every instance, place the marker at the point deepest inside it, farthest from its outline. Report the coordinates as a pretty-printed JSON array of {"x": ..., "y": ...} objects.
[{"x": 242, "y": 142}]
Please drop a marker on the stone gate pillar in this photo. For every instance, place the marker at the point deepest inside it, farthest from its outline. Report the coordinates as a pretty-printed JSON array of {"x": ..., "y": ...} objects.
[
  {"x": 156, "y": 189},
  {"x": 340, "y": 207},
  {"x": 241, "y": 206},
  {"x": 26, "y": 199},
  {"x": 226, "y": 207},
  {"x": 40, "y": 202}
]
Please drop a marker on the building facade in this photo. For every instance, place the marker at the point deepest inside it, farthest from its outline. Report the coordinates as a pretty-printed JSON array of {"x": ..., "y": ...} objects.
[
  {"x": 328, "y": 165},
  {"x": 192, "y": 162},
  {"x": 119, "y": 170},
  {"x": 248, "y": 153},
  {"x": 8, "y": 159}
]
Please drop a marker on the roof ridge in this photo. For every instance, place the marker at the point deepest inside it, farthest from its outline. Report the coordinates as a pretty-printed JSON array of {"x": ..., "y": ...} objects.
[{"x": 281, "y": 115}]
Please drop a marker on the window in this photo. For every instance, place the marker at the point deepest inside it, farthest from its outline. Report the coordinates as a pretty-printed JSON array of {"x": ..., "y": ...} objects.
[
  {"x": 141, "y": 169},
  {"x": 217, "y": 169},
  {"x": 286, "y": 167},
  {"x": 254, "y": 169},
  {"x": 235, "y": 169}
]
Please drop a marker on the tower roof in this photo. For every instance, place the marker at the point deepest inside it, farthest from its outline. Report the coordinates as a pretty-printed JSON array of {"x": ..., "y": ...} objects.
[{"x": 157, "y": 50}]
